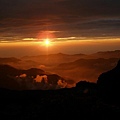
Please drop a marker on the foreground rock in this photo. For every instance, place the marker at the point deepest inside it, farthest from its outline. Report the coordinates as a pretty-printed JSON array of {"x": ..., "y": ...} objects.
[{"x": 109, "y": 85}]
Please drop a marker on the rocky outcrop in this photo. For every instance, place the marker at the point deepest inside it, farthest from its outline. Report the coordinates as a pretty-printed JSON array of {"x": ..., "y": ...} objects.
[{"x": 109, "y": 84}]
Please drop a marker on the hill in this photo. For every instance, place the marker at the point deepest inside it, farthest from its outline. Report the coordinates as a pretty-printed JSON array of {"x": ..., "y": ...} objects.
[{"x": 87, "y": 100}]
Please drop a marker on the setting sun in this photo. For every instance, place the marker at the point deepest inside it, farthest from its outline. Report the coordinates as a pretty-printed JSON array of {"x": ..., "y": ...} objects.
[{"x": 47, "y": 42}]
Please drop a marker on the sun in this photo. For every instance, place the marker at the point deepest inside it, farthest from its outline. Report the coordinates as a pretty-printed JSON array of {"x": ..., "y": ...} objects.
[{"x": 47, "y": 42}]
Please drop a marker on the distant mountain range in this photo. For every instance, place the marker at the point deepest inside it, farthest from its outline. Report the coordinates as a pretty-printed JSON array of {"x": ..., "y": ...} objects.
[
  {"x": 9, "y": 60},
  {"x": 106, "y": 54},
  {"x": 55, "y": 59},
  {"x": 72, "y": 68}
]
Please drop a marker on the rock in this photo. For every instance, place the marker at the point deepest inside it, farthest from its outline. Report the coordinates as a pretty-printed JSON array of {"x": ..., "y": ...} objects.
[{"x": 109, "y": 84}]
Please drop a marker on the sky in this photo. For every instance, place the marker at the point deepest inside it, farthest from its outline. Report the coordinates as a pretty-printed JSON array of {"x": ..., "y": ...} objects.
[{"x": 72, "y": 26}]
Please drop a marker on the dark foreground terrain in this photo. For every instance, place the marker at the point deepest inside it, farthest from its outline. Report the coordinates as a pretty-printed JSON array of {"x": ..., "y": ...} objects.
[
  {"x": 76, "y": 103},
  {"x": 99, "y": 101}
]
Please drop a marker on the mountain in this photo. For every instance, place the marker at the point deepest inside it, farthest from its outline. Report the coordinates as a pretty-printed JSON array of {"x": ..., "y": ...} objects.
[
  {"x": 85, "y": 69},
  {"x": 33, "y": 78},
  {"x": 109, "y": 83},
  {"x": 105, "y": 54},
  {"x": 9, "y": 60},
  {"x": 10, "y": 76},
  {"x": 72, "y": 67},
  {"x": 90, "y": 63},
  {"x": 86, "y": 100},
  {"x": 53, "y": 59},
  {"x": 11, "y": 71}
]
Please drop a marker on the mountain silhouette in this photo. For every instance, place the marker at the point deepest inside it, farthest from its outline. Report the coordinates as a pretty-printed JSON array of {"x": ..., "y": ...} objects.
[
  {"x": 9, "y": 70},
  {"x": 19, "y": 79},
  {"x": 109, "y": 83},
  {"x": 33, "y": 72},
  {"x": 53, "y": 78},
  {"x": 82, "y": 101},
  {"x": 107, "y": 54},
  {"x": 9, "y": 60},
  {"x": 8, "y": 75}
]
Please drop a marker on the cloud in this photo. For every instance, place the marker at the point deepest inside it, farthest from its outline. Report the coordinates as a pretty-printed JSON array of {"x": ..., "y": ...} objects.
[
  {"x": 26, "y": 18},
  {"x": 62, "y": 84},
  {"x": 39, "y": 78},
  {"x": 58, "y": 9},
  {"x": 23, "y": 75}
]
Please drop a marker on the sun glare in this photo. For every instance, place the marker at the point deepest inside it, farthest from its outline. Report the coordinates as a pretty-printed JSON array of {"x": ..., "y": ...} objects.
[{"x": 47, "y": 42}]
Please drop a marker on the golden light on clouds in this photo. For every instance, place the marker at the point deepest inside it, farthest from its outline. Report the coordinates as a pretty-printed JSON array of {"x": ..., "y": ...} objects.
[{"x": 46, "y": 34}]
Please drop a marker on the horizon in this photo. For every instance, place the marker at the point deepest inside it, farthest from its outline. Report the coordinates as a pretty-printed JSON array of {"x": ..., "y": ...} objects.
[
  {"x": 61, "y": 53},
  {"x": 70, "y": 47},
  {"x": 33, "y": 27}
]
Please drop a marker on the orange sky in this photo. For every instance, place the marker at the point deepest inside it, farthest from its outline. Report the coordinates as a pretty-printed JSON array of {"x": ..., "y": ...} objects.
[{"x": 19, "y": 49}]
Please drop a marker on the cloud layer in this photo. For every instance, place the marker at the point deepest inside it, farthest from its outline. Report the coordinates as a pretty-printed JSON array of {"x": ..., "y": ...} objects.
[{"x": 79, "y": 18}]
